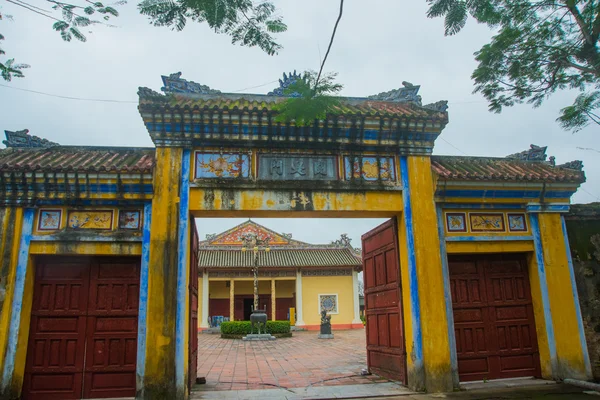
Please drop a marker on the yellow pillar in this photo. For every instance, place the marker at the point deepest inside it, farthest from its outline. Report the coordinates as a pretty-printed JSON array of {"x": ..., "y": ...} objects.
[
  {"x": 572, "y": 360},
  {"x": 232, "y": 300},
  {"x": 273, "y": 300},
  {"x": 10, "y": 232},
  {"x": 425, "y": 319},
  {"x": 159, "y": 380}
]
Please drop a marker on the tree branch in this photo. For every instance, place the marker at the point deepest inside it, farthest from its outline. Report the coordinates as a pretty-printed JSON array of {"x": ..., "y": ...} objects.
[
  {"x": 579, "y": 19},
  {"x": 330, "y": 43}
]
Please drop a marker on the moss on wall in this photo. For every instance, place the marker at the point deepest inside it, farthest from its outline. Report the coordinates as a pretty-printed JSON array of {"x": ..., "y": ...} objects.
[{"x": 583, "y": 227}]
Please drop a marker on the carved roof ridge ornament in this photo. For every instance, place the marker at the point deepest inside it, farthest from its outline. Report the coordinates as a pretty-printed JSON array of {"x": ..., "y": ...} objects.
[
  {"x": 343, "y": 241},
  {"x": 284, "y": 83},
  {"x": 149, "y": 94},
  {"x": 174, "y": 84},
  {"x": 535, "y": 153},
  {"x": 22, "y": 139},
  {"x": 441, "y": 106},
  {"x": 575, "y": 165},
  {"x": 408, "y": 93}
]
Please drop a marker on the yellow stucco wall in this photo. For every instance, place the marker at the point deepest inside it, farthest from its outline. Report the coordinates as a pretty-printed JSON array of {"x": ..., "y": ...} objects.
[
  {"x": 538, "y": 314},
  {"x": 436, "y": 343},
  {"x": 312, "y": 286},
  {"x": 569, "y": 352},
  {"x": 11, "y": 223}
]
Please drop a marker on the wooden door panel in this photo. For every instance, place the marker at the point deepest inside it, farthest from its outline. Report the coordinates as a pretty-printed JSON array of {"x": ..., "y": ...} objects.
[
  {"x": 56, "y": 349},
  {"x": 193, "y": 299},
  {"x": 112, "y": 326},
  {"x": 386, "y": 354},
  {"x": 493, "y": 317}
]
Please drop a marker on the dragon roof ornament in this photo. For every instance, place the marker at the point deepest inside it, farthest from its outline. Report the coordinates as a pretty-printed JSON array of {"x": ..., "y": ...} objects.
[
  {"x": 576, "y": 165},
  {"x": 408, "y": 93},
  {"x": 284, "y": 83},
  {"x": 24, "y": 139},
  {"x": 535, "y": 153},
  {"x": 174, "y": 84}
]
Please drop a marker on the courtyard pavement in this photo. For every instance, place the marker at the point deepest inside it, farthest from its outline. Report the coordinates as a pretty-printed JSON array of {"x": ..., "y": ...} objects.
[{"x": 300, "y": 361}]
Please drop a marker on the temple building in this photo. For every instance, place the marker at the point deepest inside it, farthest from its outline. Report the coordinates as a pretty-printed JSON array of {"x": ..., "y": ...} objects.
[
  {"x": 469, "y": 278},
  {"x": 307, "y": 278}
]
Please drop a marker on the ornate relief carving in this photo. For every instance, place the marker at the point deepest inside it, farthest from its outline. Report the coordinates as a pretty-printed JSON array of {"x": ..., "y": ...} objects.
[{"x": 327, "y": 272}]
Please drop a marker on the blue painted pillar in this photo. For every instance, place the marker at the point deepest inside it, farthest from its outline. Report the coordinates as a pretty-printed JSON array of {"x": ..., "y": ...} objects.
[
  {"x": 448, "y": 297},
  {"x": 143, "y": 309},
  {"x": 543, "y": 283},
  {"x": 182, "y": 273},
  {"x": 10, "y": 390}
]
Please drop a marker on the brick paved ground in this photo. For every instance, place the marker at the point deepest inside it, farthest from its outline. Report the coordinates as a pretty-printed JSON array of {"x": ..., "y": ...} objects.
[{"x": 300, "y": 361}]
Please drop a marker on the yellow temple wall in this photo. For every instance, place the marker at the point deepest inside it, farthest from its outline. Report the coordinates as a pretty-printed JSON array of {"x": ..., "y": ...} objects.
[{"x": 313, "y": 286}]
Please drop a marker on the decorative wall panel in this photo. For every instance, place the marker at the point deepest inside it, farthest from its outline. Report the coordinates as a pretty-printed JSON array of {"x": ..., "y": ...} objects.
[
  {"x": 130, "y": 219},
  {"x": 49, "y": 220},
  {"x": 226, "y": 165},
  {"x": 370, "y": 168},
  {"x": 93, "y": 219},
  {"x": 329, "y": 303},
  {"x": 517, "y": 223},
  {"x": 488, "y": 222},
  {"x": 301, "y": 167},
  {"x": 456, "y": 222}
]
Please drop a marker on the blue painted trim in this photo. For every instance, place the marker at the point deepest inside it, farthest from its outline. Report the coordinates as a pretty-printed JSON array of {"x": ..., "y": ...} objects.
[
  {"x": 91, "y": 189},
  {"x": 97, "y": 202},
  {"x": 482, "y": 206},
  {"x": 415, "y": 303},
  {"x": 562, "y": 208},
  {"x": 57, "y": 238},
  {"x": 487, "y": 238},
  {"x": 448, "y": 297},
  {"x": 504, "y": 194},
  {"x": 583, "y": 342},
  {"x": 182, "y": 270},
  {"x": 539, "y": 255},
  {"x": 17, "y": 301},
  {"x": 143, "y": 307}
]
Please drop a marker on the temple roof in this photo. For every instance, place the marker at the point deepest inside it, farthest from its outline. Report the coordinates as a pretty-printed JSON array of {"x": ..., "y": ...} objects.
[
  {"x": 529, "y": 165},
  {"x": 401, "y": 102},
  {"x": 224, "y": 250},
  {"x": 78, "y": 159}
]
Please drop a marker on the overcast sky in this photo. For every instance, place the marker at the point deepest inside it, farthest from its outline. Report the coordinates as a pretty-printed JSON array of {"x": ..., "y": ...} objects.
[{"x": 379, "y": 44}]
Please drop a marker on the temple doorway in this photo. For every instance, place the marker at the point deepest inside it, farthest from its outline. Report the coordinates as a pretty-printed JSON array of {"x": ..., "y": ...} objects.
[{"x": 304, "y": 266}]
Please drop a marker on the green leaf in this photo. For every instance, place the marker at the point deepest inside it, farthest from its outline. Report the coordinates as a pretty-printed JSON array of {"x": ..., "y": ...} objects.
[
  {"x": 98, "y": 5},
  {"x": 77, "y": 34},
  {"x": 60, "y": 25},
  {"x": 89, "y": 10},
  {"x": 66, "y": 36},
  {"x": 112, "y": 11},
  {"x": 456, "y": 18},
  {"x": 82, "y": 21}
]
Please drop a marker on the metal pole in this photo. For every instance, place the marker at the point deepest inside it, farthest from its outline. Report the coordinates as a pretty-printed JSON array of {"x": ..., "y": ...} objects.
[{"x": 255, "y": 280}]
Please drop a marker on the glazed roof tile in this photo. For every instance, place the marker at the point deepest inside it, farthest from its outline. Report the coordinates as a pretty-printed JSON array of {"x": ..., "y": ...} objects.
[
  {"x": 80, "y": 159},
  {"x": 347, "y": 105},
  {"x": 281, "y": 257},
  {"x": 501, "y": 169}
]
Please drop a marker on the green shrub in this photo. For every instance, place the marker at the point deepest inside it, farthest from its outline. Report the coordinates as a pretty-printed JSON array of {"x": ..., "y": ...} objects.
[
  {"x": 243, "y": 327},
  {"x": 362, "y": 318}
]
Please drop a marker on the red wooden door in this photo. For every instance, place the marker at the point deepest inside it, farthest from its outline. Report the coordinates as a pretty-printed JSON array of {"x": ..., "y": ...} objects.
[
  {"x": 112, "y": 326},
  {"x": 193, "y": 288},
  {"x": 493, "y": 317},
  {"x": 54, "y": 366},
  {"x": 83, "y": 333},
  {"x": 386, "y": 353}
]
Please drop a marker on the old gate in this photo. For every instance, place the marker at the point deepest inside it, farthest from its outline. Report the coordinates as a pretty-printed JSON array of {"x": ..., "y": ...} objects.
[
  {"x": 83, "y": 332},
  {"x": 493, "y": 317},
  {"x": 386, "y": 352}
]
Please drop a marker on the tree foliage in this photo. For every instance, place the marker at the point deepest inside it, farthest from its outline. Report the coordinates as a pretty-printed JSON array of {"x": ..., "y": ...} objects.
[
  {"x": 248, "y": 22},
  {"x": 310, "y": 101},
  {"x": 541, "y": 46}
]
